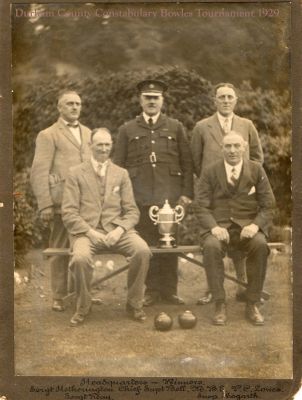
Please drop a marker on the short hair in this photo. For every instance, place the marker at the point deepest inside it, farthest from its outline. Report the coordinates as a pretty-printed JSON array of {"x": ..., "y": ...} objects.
[
  {"x": 234, "y": 133},
  {"x": 66, "y": 91},
  {"x": 224, "y": 84},
  {"x": 95, "y": 130}
]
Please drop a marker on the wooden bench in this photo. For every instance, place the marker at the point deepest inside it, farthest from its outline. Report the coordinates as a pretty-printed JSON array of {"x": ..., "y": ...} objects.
[{"x": 181, "y": 251}]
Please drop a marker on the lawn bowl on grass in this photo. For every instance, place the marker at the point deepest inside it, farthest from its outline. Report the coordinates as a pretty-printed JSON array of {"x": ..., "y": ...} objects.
[
  {"x": 187, "y": 320},
  {"x": 163, "y": 322}
]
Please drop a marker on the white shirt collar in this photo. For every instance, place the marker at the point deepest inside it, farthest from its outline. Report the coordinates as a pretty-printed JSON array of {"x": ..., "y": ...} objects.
[
  {"x": 95, "y": 165},
  {"x": 221, "y": 118},
  {"x": 67, "y": 123},
  {"x": 229, "y": 168},
  {"x": 153, "y": 117}
]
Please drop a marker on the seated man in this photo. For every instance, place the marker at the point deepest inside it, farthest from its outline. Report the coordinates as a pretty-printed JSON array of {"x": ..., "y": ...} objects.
[
  {"x": 100, "y": 213},
  {"x": 235, "y": 206}
]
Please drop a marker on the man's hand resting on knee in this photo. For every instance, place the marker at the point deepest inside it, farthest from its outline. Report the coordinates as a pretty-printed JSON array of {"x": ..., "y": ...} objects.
[{"x": 221, "y": 234}]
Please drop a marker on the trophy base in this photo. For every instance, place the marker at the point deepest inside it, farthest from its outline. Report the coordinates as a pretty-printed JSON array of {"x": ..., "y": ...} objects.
[{"x": 167, "y": 243}]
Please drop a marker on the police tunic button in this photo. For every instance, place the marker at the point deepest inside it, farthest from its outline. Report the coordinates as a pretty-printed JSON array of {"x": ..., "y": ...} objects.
[
  {"x": 152, "y": 131},
  {"x": 178, "y": 173},
  {"x": 153, "y": 165},
  {"x": 152, "y": 141},
  {"x": 136, "y": 137},
  {"x": 169, "y": 137}
]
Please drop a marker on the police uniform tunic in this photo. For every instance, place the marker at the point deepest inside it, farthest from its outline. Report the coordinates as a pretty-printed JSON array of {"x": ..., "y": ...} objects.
[
  {"x": 158, "y": 160},
  {"x": 159, "y": 163}
]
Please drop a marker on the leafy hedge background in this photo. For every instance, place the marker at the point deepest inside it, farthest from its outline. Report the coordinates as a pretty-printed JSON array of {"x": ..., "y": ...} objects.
[{"x": 111, "y": 99}]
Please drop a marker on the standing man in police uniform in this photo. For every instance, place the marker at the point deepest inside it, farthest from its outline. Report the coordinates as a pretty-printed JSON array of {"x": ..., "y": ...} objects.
[{"x": 155, "y": 151}]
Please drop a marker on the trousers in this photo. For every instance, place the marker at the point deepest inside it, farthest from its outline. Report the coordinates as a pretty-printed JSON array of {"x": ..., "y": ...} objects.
[
  {"x": 58, "y": 265},
  {"x": 130, "y": 245},
  {"x": 256, "y": 251}
]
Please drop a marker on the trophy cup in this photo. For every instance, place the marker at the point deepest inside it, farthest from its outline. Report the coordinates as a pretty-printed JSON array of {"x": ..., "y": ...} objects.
[{"x": 167, "y": 219}]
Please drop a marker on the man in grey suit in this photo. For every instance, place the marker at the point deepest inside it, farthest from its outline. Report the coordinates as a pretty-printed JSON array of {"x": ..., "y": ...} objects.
[
  {"x": 235, "y": 207},
  {"x": 59, "y": 147},
  {"x": 99, "y": 212},
  {"x": 206, "y": 148}
]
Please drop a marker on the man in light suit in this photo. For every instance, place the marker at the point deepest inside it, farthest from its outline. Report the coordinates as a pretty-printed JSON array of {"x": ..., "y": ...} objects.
[
  {"x": 99, "y": 212},
  {"x": 235, "y": 208},
  {"x": 206, "y": 148},
  {"x": 59, "y": 147}
]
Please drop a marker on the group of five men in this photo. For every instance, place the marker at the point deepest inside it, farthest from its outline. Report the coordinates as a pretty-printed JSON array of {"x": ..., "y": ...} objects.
[{"x": 93, "y": 203}]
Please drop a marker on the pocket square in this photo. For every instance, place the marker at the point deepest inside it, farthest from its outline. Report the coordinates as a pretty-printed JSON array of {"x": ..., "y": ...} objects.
[
  {"x": 116, "y": 189},
  {"x": 252, "y": 190}
]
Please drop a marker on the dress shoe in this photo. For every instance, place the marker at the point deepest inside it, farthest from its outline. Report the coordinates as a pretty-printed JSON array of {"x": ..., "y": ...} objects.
[
  {"x": 173, "y": 299},
  {"x": 253, "y": 314},
  {"x": 206, "y": 299},
  {"x": 97, "y": 301},
  {"x": 150, "y": 299},
  {"x": 58, "y": 305},
  {"x": 220, "y": 313},
  {"x": 137, "y": 314},
  {"x": 241, "y": 296},
  {"x": 77, "y": 319}
]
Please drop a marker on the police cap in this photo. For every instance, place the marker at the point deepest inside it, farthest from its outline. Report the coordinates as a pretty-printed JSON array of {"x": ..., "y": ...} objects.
[{"x": 152, "y": 87}]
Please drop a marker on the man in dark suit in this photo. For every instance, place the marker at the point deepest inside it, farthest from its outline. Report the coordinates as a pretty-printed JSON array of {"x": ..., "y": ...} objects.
[
  {"x": 155, "y": 151},
  {"x": 59, "y": 147},
  {"x": 235, "y": 203},
  {"x": 206, "y": 148},
  {"x": 100, "y": 213}
]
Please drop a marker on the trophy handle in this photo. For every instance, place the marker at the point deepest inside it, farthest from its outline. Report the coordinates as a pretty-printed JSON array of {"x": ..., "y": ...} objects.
[
  {"x": 179, "y": 213},
  {"x": 153, "y": 214}
]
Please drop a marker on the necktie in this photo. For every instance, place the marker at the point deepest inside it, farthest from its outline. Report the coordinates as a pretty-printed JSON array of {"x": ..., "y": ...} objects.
[
  {"x": 233, "y": 177},
  {"x": 150, "y": 122},
  {"x": 101, "y": 170},
  {"x": 226, "y": 126}
]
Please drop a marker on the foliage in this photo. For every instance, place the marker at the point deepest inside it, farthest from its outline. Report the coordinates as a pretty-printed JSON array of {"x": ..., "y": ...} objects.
[
  {"x": 111, "y": 98},
  {"x": 28, "y": 231},
  {"x": 222, "y": 48}
]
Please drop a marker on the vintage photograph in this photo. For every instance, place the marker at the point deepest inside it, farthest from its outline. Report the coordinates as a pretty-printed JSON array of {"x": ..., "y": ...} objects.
[{"x": 152, "y": 190}]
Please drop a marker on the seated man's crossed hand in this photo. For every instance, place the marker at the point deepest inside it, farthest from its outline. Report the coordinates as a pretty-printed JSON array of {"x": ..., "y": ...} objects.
[
  {"x": 221, "y": 234},
  {"x": 108, "y": 240},
  {"x": 248, "y": 232},
  {"x": 114, "y": 236}
]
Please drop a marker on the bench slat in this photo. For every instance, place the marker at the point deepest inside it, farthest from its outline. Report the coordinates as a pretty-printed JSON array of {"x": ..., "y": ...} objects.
[{"x": 155, "y": 250}]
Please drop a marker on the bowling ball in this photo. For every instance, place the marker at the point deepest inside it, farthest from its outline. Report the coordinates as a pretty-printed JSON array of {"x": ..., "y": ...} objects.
[
  {"x": 163, "y": 322},
  {"x": 187, "y": 320}
]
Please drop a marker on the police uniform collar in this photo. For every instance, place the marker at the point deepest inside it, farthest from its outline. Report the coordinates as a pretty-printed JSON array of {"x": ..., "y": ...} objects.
[{"x": 153, "y": 117}]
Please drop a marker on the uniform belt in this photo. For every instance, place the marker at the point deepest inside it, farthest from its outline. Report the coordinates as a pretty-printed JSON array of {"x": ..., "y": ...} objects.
[{"x": 152, "y": 158}]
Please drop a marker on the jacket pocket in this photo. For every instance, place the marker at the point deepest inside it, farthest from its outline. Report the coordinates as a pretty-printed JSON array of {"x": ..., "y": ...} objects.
[{"x": 56, "y": 187}]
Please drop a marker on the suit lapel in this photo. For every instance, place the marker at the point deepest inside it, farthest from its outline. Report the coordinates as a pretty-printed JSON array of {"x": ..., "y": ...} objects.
[
  {"x": 236, "y": 124},
  {"x": 110, "y": 179},
  {"x": 222, "y": 177},
  {"x": 245, "y": 177},
  {"x": 244, "y": 180},
  {"x": 92, "y": 181},
  {"x": 215, "y": 129},
  {"x": 67, "y": 133}
]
